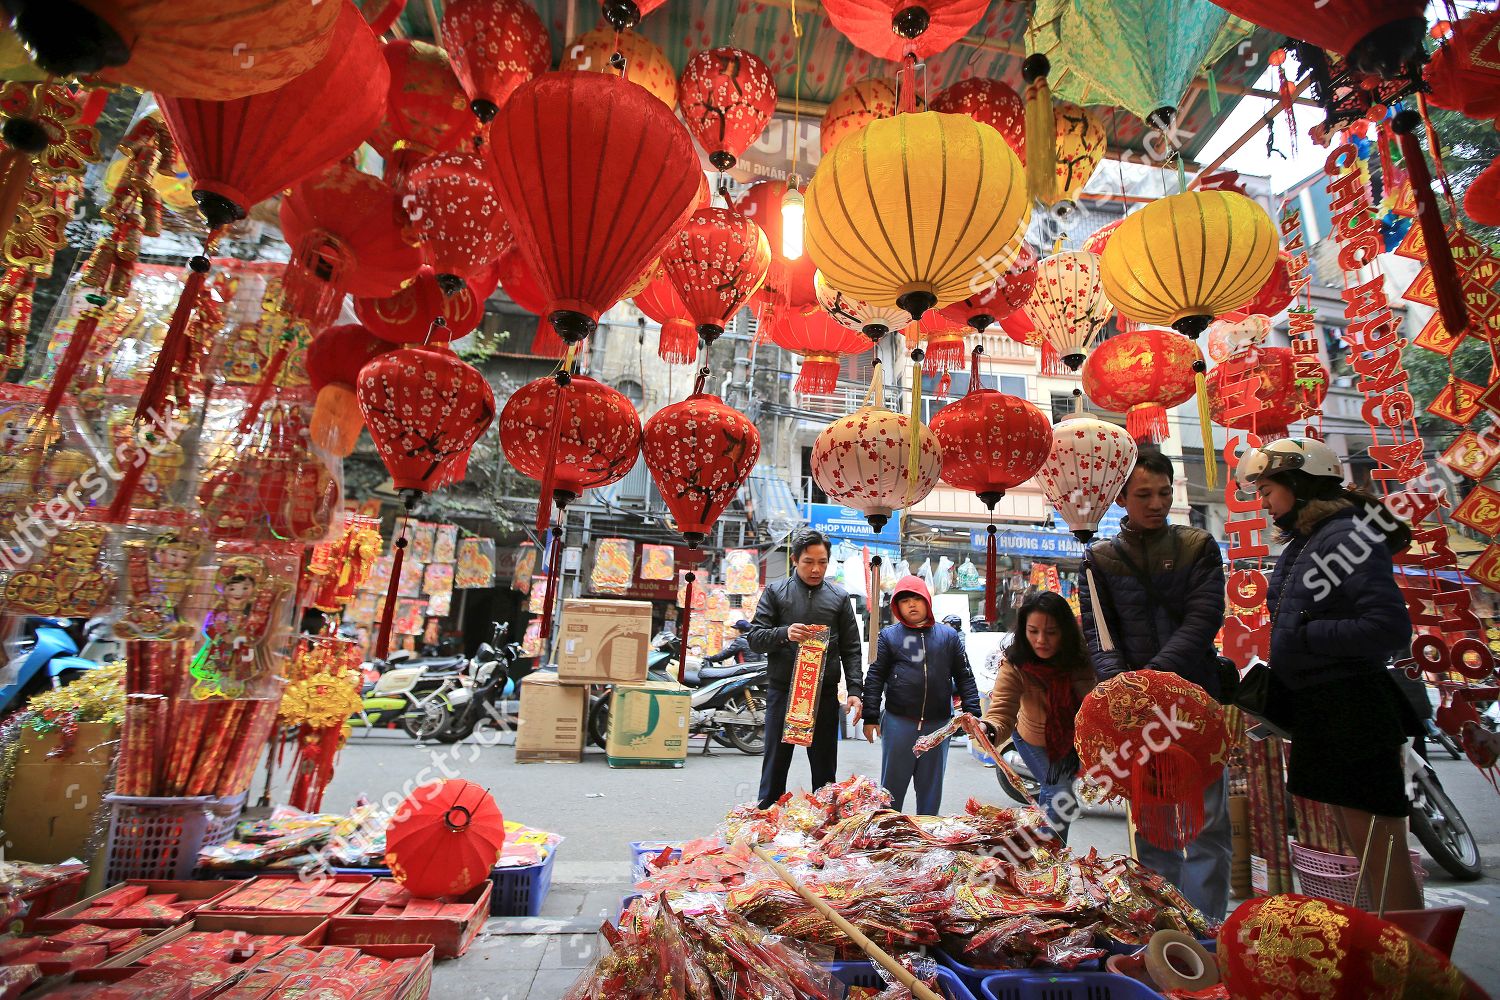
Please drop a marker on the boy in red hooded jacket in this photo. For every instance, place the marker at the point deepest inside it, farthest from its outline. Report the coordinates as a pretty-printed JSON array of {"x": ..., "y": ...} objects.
[{"x": 919, "y": 665}]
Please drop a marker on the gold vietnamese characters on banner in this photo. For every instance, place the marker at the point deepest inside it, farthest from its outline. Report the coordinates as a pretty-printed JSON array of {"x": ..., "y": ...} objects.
[{"x": 802, "y": 699}]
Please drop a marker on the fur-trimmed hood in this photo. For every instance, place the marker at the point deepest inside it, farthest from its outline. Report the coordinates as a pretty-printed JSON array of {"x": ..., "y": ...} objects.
[{"x": 1314, "y": 513}]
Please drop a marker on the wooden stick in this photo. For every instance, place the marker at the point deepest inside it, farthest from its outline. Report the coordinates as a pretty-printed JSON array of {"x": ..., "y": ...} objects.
[
  {"x": 1250, "y": 133},
  {"x": 877, "y": 954}
]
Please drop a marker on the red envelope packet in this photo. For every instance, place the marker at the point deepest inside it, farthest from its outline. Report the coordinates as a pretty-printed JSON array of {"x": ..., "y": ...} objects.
[
  {"x": 123, "y": 895},
  {"x": 80, "y": 956}
]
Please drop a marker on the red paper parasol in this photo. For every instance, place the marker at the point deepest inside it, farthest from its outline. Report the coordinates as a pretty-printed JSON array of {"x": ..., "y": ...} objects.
[{"x": 444, "y": 839}]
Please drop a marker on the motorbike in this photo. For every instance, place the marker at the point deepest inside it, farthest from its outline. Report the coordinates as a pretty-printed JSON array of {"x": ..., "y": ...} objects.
[
  {"x": 409, "y": 693},
  {"x": 1436, "y": 821},
  {"x": 47, "y": 656},
  {"x": 483, "y": 701}
]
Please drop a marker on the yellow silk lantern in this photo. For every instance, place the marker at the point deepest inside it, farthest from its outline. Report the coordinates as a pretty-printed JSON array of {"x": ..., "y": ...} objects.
[
  {"x": 645, "y": 63},
  {"x": 336, "y": 420},
  {"x": 1182, "y": 260},
  {"x": 919, "y": 210}
]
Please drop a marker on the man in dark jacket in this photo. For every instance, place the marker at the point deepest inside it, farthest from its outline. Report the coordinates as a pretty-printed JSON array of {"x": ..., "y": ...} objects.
[
  {"x": 798, "y": 607},
  {"x": 736, "y": 648},
  {"x": 1153, "y": 598}
]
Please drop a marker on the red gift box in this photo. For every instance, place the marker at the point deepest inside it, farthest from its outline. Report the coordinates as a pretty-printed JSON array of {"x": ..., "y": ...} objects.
[
  {"x": 15, "y": 979},
  {"x": 122, "y": 895},
  {"x": 79, "y": 956}
]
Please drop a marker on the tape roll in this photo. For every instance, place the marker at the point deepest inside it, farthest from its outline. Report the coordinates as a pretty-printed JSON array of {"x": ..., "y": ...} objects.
[{"x": 1177, "y": 961}]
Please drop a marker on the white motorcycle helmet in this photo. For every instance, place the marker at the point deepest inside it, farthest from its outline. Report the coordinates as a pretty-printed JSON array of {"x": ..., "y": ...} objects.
[{"x": 1294, "y": 453}]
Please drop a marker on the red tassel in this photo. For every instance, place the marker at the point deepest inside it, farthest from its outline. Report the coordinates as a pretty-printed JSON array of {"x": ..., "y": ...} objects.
[
  {"x": 687, "y": 620},
  {"x": 78, "y": 345},
  {"x": 944, "y": 354},
  {"x": 546, "y": 343},
  {"x": 991, "y": 583},
  {"x": 679, "y": 342},
  {"x": 1165, "y": 800},
  {"x": 262, "y": 390},
  {"x": 1450, "y": 295},
  {"x": 554, "y": 568},
  {"x": 1052, "y": 362},
  {"x": 174, "y": 346},
  {"x": 119, "y": 508},
  {"x": 1147, "y": 422},
  {"x": 392, "y": 590},
  {"x": 819, "y": 373}
]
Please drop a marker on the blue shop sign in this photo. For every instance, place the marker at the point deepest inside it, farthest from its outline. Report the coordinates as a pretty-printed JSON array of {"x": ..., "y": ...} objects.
[{"x": 848, "y": 524}]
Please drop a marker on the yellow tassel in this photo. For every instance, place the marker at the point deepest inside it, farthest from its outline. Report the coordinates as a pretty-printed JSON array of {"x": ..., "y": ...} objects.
[
  {"x": 1205, "y": 425},
  {"x": 1041, "y": 130},
  {"x": 913, "y": 445}
]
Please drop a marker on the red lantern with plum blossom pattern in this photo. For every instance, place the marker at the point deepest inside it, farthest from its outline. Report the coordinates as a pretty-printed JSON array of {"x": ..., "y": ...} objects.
[
  {"x": 1257, "y": 390},
  {"x": 588, "y": 432},
  {"x": 891, "y": 29},
  {"x": 1143, "y": 373},
  {"x": 494, "y": 46},
  {"x": 727, "y": 96},
  {"x": 993, "y": 102},
  {"x": 589, "y": 225},
  {"x": 699, "y": 452},
  {"x": 1002, "y": 297},
  {"x": 820, "y": 342},
  {"x": 426, "y": 111},
  {"x": 659, "y": 300},
  {"x": 408, "y": 316},
  {"x": 992, "y": 443},
  {"x": 453, "y": 206},
  {"x": 716, "y": 262}
]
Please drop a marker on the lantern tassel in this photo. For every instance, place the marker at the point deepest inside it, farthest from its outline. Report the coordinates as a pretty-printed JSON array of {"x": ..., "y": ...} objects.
[
  {"x": 174, "y": 346},
  {"x": 991, "y": 582},
  {"x": 1206, "y": 427},
  {"x": 944, "y": 354},
  {"x": 913, "y": 450},
  {"x": 819, "y": 374},
  {"x": 1445, "y": 277},
  {"x": 678, "y": 344},
  {"x": 78, "y": 345},
  {"x": 554, "y": 567},
  {"x": 1052, "y": 363},
  {"x": 1166, "y": 808},
  {"x": 1147, "y": 422},
  {"x": 1041, "y": 130},
  {"x": 873, "y": 603},
  {"x": 687, "y": 620},
  {"x": 392, "y": 590}
]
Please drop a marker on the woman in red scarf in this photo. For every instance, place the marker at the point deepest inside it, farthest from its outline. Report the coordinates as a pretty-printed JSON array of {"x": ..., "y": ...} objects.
[{"x": 1042, "y": 682}]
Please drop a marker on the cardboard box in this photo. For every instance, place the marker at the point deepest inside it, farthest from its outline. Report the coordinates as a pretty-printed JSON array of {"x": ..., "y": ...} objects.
[
  {"x": 603, "y": 642},
  {"x": 648, "y": 725},
  {"x": 553, "y": 718},
  {"x": 49, "y": 813}
]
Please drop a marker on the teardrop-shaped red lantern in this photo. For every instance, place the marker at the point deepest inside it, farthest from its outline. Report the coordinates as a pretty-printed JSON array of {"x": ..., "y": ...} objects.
[
  {"x": 425, "y": 409},
  {"x": 659, "y": 300},
  {"x": 452, "y": 201},
  {"x": 716, "y": 262},
  {"x": 1142, "y": 373},
  {"x": 993, "y": 102},
  {"x": 727, "y": 96},
  {"x": 699, "y": 452},
  {"x": 426, "y": 110},
  {"x": 595, "y": 176},
  {"x": 789, "y": 280},
  {"x": 494, "y": 46},
  {"x": 820, "y": 342},
  {"x": 998, "y": 300},
  {"x": 407, "y": 317},
  {"x": 1264, "y": 390},
  {"x": 593, "y": 436},
  {"x": 347, "y": 232},
  {"x": 891, "y": 29}
]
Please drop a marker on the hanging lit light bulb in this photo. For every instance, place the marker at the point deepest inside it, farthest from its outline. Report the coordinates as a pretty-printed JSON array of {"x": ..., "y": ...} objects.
[{"x": 791, "y": 221}]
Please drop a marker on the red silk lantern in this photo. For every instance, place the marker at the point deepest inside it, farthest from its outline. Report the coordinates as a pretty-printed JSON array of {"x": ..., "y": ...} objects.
[
  {"x": 495, "y": 46},
  {"x": 1096, "y": 243},
  {"x": 1376, "y": 36},
  {"x": 453, "y": 205},
  {"x": 426, "y": 110},
  {"x": 1463, "y": 73},
  {"x": 855, "y": 107},
  {"x": 820, "y": 342},
  {"x": 891, "y": 29},
  {"x": 699, "y": 453},
  {"x": 659, "y": 300},
  {"x": 727, "y": 96},
  {"x": 425, "y": 409},
  {"x": 993, "y": 102},
  {"x": 1276, "y": 294},
  {"x": 1482, "y": 200},
  {"x": 789, "y": 281},
  {"x": 407, "y": 317},
  {"x": 716, "y": 262},
  {"x": 998, "y": 300},
  {"x": 336, "y": 355},
  {"x": 590, "y": 440},
  {"x": 1287, "y": 945},
  {"x": 1261, "y": 390},
  {"x": 945, "y": 349},
  {"x": 347, "y": 233},
  {"x": 595, "y": 177},
  {"x": 992, "y": 443},
  {"x": 1164, "y": 786},
  {"x": 519, "y": 282},
  {"x": 1141, "y": 374}
]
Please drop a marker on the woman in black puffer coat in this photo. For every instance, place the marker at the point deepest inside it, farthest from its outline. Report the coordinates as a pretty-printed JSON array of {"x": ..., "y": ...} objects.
[{"x": 1337, "y": 616}]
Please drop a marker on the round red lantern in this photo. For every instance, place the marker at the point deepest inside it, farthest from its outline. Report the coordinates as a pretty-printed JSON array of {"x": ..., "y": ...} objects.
[
  {"x": 820, "y": 342},
  {"x": 716, "y": 262},
  {"x": 452, "y": 201},
  {"x": 518, "y": 281},
  {"x": 425, "y": 409},
  {"x": 727, "y": 96},
  {"x": 855, "y": 107},
  {"x": 1260, "y": 390},
  {"x": 1164, "y": 786},
  {"x": 891, "y": 29},
  {"x": 789, "y": 280},
  {"x": 699, "y": 452},
  {"x": 993, "y": 102},
  {"x": 347, "y": 233},
  {"x": 495, "y": 46},
  {"x": 407, "y": 317},
  {"x": 1002, "y": 297},
  {"x": 1482, "y": 200},
  {"x": 590, "y": 432},
  {"x": 1459, "y": 80},
  {"x": 678, "y": 344},
  {"x": 1275, "y": 295},
  {"x": 992, "y": 442},
  {"x": 1141, "y": 373},
  {"x": 589, "y": 225},
  {"x": 426, "y": 110}
]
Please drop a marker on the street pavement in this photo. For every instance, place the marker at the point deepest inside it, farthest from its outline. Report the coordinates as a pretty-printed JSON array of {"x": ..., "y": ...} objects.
[{"x": 600, "y": 810}]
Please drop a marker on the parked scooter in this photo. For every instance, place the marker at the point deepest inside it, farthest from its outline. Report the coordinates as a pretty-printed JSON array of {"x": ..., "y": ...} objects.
[
  {"x": 411, "y": 695},
  {"x": 483, "y": 701},
  {"x": 47, "y": 657}
]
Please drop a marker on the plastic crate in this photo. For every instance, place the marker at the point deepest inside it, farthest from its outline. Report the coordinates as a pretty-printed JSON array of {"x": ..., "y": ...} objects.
[
  {"x": 1028, "y": 985},
  {"x": 973, "y": 976},
  {"x": 223, "y": 815},
  {"x": 154, "y": 837},
  {"x": 868, "y": 974},
  {"x": 1332, "y": 876},
  {"x": 642, "y": 851},
  {"x": 518, "y": 892}
]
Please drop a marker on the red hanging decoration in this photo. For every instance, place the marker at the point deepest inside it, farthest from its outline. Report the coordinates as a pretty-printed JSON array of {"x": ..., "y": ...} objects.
[
  {"x": 1142, "y": 374},
  {"x": 452, "y": 201},
  {"x": 519, "y": 282},
  {"x": 408, "y": 316},
  {"x": 716, "y": 262},
  {"x": 1274, "y": 296},
  {"x": 1446, "y": 282},
  {"x": 495, "y": 46},
  {"x": 587, "y": 433},
  {"x": 993, "y": 102},
  {"x": 727, "y": 96},
  {"x": 426, "y": 110},
  {"x": 891, "y": 29},
  {"x": 1261, "y": 390},
  {"x": 945, "y": 348},
  {"x": 687, "y": 621},
  {"x": 789, "y": 281},
  {"x": 659, "y": 300},
  {"x": 820, "y": 342},
  {"x": 1379, "y": 37},
  {"x": 699, "y": 453},
  {"x": 1001, "y": 298},
  {"x": 333, "y": 362},
  {"x": 595, "y": 176}
]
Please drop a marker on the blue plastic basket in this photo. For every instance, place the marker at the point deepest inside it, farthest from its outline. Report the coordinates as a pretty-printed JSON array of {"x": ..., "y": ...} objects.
[
  {"x": 973, "y": 976},
  {"x": 866, "y": 974},
  {"x": 642, "y": 851},
  {"x": 517, "y": 892},
  {"x": 1030, "y": 985}
]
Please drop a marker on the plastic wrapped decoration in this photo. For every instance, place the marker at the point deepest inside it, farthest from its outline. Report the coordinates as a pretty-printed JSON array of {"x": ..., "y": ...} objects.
[
  {"x": 340, "y": 567},
  {"x": 614, "y": 566},
  {"x": 323, "y": 692},
  {"x": 70, "y": 577},
  {"x": 250, "y": 587},
  {"x": 476, "y": 563},
  {"x": 42, "y": 456},
  {"x": 657, "y": 562},
  {"x": 265, "y": 484},
  {"x": 1261, "y": 390},
  {"x": 160, "y": 580},
  {"x": 46, "y": 142}
]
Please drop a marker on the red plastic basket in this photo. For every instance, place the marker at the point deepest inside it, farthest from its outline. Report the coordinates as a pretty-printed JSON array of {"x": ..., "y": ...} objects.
[{"x": 1332, "y": 876}]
